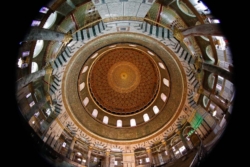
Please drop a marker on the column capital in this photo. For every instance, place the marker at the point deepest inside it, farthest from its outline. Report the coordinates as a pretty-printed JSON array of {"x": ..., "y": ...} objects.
[
  {"x": 67, "y": 38},
  {"x": 178, "y": 34}
]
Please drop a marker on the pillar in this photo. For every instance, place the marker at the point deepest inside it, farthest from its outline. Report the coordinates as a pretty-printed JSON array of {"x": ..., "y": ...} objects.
[
  {"x": 170, "y": 151},
  {"x": 33, "y": 76},
  {"x": 183, "y": 139},
  {"x": 149, "y": 152},
  {"x": 214, "y": 69},
  {"x": 107, "y": 154},
  {"x": 30, "y": 78},
  {"x": 37, "y": 33},
  {"x": 35, "y": 108},
  {"x": 203, "y": 29},
  {"x": 218, "y": 71},
  {"x": 71, "y": 148},
  {"x": 224, "y": 107},
  {"x": 197, "y": 30},
  {"x": 89, "y": 154}
]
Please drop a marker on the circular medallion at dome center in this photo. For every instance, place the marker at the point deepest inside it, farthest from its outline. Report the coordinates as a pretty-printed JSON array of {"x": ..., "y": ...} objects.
[
  {"x": 124, "y": 77},
  {"x": 123, "y": 80}
]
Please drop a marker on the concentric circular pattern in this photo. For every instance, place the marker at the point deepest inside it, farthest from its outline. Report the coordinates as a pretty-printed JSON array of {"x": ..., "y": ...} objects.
[
  {"x": 124, "y": 80},
  {"x": 124, "y": 77}
]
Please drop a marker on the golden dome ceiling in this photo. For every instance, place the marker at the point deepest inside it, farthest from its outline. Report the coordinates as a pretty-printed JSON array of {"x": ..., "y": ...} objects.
[{"x": 121, "y": 76}]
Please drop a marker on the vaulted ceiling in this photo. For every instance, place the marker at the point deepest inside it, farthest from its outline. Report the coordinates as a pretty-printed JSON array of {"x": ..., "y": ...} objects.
[{"x": 124, "y": 62}]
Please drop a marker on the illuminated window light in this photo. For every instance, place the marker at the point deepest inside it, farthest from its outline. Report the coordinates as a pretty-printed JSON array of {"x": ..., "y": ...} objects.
[
  {"x": 161, "y": 65},
  {"x": 48, "y": 111},
  {"x": 156, "y": 109},
  {"x": 95, "y": 159},
  {"x": 163, "y": 97},
  {"x": 146, "y": 117},
  {"x": 214, "y": 112},
  {"x": 85, "y": 101},
  {"x": 112, "y": 46},
  {"x": 19, "y": 63},
  {"x": 64, "y": 144},
  {"x": 85, "y": 69},
  {"x": 105, "y": 119},
  {"x": 94, "y": 55},
  {"x": 28, "y": 95},
  {"x": 34, "y": 67},
  {"x": 119, "y": 123},
  {"x": 32, "y": 104},
  {"x": 78, "y": 159},
  {"x": 26, "y": 53},
  {"x": 147, "y": 159},
  {"x": 82, "y": 85},
  {"x": 95, "y": 113},
  {"x": 151, "y": 53},
  {"x": 37, "y": 114},
  {"x": 43, "y": 10},
  {"x": 182, "y": 148},
  {"x": 50, "y": 21},
  {"x": 35, "y": 23},
  {"x": 33, "y": 122},
  {"x": 132, "y": 45},
  {"x": 116, "y": 163},
  {"x": 132, "y": 122},
  {"x": 166, "y": 82},
  {"x": 84, "y": 160},
  {"x": 166, "y": 153},
  {"x": 177, "y": 152}
]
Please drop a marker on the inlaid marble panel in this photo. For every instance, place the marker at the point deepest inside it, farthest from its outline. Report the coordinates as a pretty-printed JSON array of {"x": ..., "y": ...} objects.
[
  {"x": 143, "y": 10},
  {"x": 131, "y": 8},
  {"x": 115, "y": 9}
]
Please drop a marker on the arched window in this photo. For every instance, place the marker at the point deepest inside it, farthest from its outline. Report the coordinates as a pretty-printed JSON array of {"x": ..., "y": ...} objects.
[
  {"x": 86, "y": 101},
  {"x": 151, "y": 53},
  {"x": 119, "y": 123},
  {"x": 85, "y": 69},
  {"x": 105, "y": 119},
  {"x": 146, "y": 117},
  {"x": 132, "y": 122},
  {"x": 34, "y": 67},
  {"x": 38, "y": 48},
  {"x": 94, "y": 55},
  {"x": 163, "y": 97},
  {"x": 161, "y": 65},
  {"x": 155, "y": 109},
  {"x": 166, "y": 82},
  {"x": 50, "y": 21},
  {"x": 95, "y": 113},
  {"x": 82, "y": 85}
]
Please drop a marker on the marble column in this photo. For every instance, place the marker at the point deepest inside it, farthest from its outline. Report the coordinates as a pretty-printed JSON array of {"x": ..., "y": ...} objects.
[
  {"x": 149, "y": 152},
  {"x": 25, "y": 80},
  {"x": 217, "y": 100},
  {"x": 107, "y": 154},
  {"x": 37, "y": 33},
  {"x": 30, "y": 78},
  {"x": 170, "y": 151},
  {"x": 89, "y": 154},
  {"x": 203, "y": 29},
  {"x": 197, "y": 30},
  {"x": 71, "y": 148},
  {"x": 183, "y": 139},
  {"x": 218, "y": 71}
]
